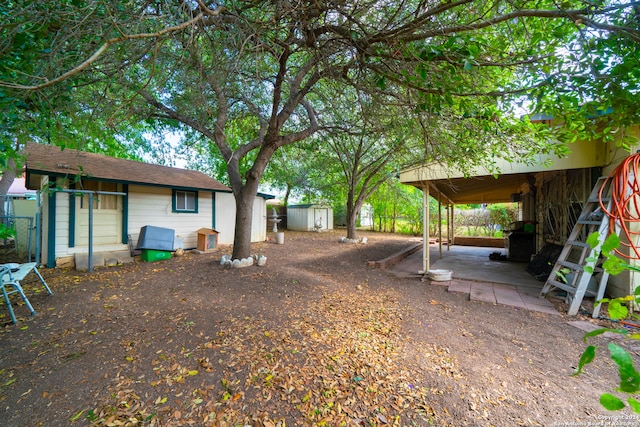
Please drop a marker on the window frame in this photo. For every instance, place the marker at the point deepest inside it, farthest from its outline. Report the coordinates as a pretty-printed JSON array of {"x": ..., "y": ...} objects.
[{"x": 174, "y": 201}]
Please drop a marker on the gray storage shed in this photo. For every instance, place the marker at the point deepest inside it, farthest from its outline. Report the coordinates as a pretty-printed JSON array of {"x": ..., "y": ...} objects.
[{"x": 310, "y": 217}]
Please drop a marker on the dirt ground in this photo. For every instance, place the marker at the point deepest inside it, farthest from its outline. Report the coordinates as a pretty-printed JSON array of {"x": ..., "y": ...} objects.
[{"x": 315, "y": 337}]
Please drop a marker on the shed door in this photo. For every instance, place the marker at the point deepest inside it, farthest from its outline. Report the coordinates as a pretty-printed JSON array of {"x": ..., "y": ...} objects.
[
  {"x": 107, "y": 215},
  {"x": 321, "y": 218}
]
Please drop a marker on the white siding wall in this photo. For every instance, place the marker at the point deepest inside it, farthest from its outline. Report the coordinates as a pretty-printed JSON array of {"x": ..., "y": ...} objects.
[
  {"x": 152, "y": 206},
  {"x": 44, "y": 224},
  {"x": 62, "y": 225},
  {"x": 62, "y": 248},
  {"x": 259, "y": 222},
  {"x": 225, "y": 217}
]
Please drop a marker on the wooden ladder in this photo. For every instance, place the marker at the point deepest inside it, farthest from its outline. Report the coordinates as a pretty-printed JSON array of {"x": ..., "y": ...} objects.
[{"x": 568, "y": 273}]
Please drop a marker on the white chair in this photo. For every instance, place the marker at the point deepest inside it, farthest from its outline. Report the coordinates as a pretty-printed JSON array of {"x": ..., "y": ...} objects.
[{"x": 13, "y": 278}]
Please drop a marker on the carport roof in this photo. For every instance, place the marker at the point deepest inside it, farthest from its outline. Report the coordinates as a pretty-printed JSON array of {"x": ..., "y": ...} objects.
[{"x": 481, "y": 186}]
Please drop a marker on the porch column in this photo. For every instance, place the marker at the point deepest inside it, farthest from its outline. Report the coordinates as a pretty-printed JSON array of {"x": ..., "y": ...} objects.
[
  {"x": 440, "y": 225},
  {"x": 451, "y": 226},
  {"x": 425, "y": 228}
]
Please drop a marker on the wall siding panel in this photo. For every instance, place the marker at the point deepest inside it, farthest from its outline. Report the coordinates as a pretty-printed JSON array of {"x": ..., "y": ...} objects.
[{"x": 152, "y": 206}]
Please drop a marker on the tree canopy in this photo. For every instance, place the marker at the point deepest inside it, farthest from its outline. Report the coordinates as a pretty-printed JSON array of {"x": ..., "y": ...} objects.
[{"x": 245, "y": 78}]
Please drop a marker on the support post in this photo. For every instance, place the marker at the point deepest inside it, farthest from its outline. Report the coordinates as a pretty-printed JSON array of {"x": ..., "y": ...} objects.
[
  {"x": 90, "y": 255},
  {"x": 453, "y": 228},
  {"x": 449, "y": 226},
  {"x": 425, "y": 229},
  {"x": 439, "y": 226}
]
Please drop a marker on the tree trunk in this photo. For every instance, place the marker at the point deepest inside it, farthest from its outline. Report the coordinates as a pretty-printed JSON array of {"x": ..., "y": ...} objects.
[
  {"x": 351, "y": 216},
  {"x": 8, "y": 176},
  {"x": 354, "y": 206},
  {"x": 244, "y": 216},
  {"x": 287, "y": 192},
  {"x": 393, "y": 219}
]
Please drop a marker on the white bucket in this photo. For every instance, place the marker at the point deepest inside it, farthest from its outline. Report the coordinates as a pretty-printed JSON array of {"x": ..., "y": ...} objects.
[
  {"x": 439, "y": 275},
  {"x": 280, "y": 238}
]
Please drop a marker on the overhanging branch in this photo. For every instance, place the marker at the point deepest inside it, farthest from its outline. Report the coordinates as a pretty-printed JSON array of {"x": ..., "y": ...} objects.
[{"x": 106, "y": 45}]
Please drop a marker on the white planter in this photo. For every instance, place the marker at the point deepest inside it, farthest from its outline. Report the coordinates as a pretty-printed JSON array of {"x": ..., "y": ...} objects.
[{"x": 439, "y": 275}]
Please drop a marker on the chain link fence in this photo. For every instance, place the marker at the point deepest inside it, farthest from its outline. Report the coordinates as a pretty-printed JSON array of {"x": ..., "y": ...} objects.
[
  {"x": 20, "y": 247},
  {"x": 17, "y": 234}
]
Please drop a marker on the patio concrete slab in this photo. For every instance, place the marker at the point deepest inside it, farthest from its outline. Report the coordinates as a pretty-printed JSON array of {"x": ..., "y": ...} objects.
[
  {"x": 462, "y": 286},
  {"x": 482, "y": 291},
  {"x": 508, "y": 295},
  {"x": 474, "y": 273},
  {"x": 549, "y": 309}
]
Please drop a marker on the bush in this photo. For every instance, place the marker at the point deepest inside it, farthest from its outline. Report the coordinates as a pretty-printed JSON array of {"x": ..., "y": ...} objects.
[{"x": 6, "y": 232}]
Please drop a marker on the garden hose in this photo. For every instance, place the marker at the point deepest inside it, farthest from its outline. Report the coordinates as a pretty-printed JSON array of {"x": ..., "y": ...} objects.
[{"x": 625, "y": 203}]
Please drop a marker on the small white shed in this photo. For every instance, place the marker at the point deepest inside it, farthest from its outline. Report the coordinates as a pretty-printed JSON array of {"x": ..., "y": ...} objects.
[{"x": 311, "y": 217}]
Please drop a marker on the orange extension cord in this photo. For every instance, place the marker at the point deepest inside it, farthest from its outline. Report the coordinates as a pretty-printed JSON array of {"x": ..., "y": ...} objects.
[{"x": 625, "y": 198}]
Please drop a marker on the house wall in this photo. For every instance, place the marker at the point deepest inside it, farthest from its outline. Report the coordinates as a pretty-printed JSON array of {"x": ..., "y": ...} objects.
[
  {"x": 62, "y": 225},
  {"x": 44, "y": 224},
  {"x": 225, "y": 217},
  {"x": 153, "y": 206},
  {"x": 62, "y": 212},
  {"x": 259, "y": 222}
]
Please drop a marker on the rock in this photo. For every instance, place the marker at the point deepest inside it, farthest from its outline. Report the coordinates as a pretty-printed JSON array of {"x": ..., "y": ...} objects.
[{"x": 345, "y": 240}]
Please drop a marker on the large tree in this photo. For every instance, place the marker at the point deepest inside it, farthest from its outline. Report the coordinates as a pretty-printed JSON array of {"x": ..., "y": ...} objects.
[{"x": 208, "y": 66}]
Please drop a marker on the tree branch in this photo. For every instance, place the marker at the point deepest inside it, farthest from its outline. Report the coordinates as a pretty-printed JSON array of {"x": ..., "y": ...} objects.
[{"x": 102, "y": 49}]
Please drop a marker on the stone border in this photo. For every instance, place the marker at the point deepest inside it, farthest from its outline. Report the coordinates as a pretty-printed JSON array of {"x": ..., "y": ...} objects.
[{"x": 395, "y": 258}]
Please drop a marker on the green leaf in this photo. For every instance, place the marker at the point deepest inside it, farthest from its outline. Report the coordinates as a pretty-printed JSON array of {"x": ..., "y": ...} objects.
[
  {"x": 593, "y": 240},
  {"x": 601, "y": 331},
  {"x": 617, "y": 311},
  {"x": 634, "y": 404},
  {"x": 587, "y": 357},
  {"x": 77, "y": 416},
  {"x": 380, "y": 82},
  {"x": 614, "y": 265},
  {"x": 610, "y": 402},
  {"x": 610, "y": 243},
  {"x": 629, "y": 377}
]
